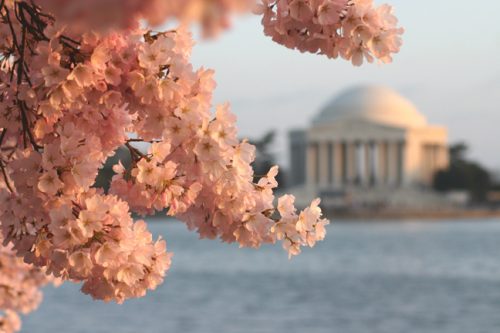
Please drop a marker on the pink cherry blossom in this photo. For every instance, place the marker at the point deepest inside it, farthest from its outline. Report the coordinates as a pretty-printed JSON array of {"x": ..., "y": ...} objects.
[
  {"x": 80, "y": 80},
  {"x": 50, "y": 183},
  {"x": 20, "y": 288},
  {"x": 356, "y": 30}
]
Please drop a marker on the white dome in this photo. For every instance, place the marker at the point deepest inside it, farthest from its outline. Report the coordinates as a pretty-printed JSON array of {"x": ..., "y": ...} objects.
[{"x": 372, "y": 103}]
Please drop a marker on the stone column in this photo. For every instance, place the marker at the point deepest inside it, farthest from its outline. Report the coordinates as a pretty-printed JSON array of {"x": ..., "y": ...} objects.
[
  {"x": 388, "y": 165},
  {"x": 401, "y": 159},
  {"x": 337, "y": 164},
  {"x": 357, "y": 164},
  {"x": 381, "y": 175},
  {"x": 330, "y": 164},
  {"x": 373, "y": 163},
  {"x": 429, "y": 166},
  {"x": 366, "y": 168},
  {"x": 345, "y": 163},
  {"x": 351, "y": 162},
  {"x": 323, "y": 164},
  {"x": 379, "y": 162},
  {"x": 392, "y": 163},
  {"x": 311, "y": 172}
]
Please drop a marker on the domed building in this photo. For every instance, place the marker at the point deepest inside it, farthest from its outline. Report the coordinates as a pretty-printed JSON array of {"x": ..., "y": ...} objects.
[{"x": 369, "y": 139}]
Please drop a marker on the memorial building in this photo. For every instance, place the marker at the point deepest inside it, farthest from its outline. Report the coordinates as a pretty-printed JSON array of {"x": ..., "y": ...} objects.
[{"x": 367, "y": 140}]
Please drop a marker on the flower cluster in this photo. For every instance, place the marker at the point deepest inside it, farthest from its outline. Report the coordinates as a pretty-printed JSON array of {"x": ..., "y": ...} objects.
[
  {"x": 80, "y": 80},
  {"x": 212, "y": 15},
  {"x": 68, "y": 103},
  {"x": 307, "y": 228},
  {"x": 19, "y": 289},
  {"x": 352, "y": 29}
]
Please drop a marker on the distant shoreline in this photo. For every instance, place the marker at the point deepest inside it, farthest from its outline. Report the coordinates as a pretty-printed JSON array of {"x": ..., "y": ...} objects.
[
  {"x": 374, "y": 215},
  {"x": 383, "y": 214}
]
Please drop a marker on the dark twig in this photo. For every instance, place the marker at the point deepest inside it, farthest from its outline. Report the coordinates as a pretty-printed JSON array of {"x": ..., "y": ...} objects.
[
  {"x": 12, "y": 31},
  {"x": 2, "y": 136},
  {"x": 5, "y": 177},
  {"x": 142, "y": 140},
  {"x": 134, "y": 152}
]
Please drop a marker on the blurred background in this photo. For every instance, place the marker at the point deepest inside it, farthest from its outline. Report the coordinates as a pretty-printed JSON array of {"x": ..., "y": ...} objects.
[{"x": 405, "y": 157}]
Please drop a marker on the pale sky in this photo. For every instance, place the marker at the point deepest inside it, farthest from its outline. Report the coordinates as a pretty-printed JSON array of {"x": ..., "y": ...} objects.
[{"x": 449, "y": 67}]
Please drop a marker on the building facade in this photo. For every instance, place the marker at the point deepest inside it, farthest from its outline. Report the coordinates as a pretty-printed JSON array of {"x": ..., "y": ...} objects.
[{"x": 367, "y": 138}]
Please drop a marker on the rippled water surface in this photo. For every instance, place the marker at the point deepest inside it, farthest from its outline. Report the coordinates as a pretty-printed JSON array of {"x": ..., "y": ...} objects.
[{"x": 364, "y": 278}]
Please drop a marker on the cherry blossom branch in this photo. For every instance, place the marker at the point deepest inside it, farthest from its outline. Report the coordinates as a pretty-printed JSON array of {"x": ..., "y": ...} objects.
[
  {"x": 6, "y": 18},
  {"x": 6, "y": 178},
  {"x": 36, "y": 25},
  {"x": 142, "y": 140},
  {"x": 2, "y": 136},
  {"x": 355, "y": 30},
  {"x": 75, "y": 87}
]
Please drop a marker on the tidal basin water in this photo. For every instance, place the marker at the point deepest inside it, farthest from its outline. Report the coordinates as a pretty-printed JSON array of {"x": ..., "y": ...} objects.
[{"x": 411, "y": 277}]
